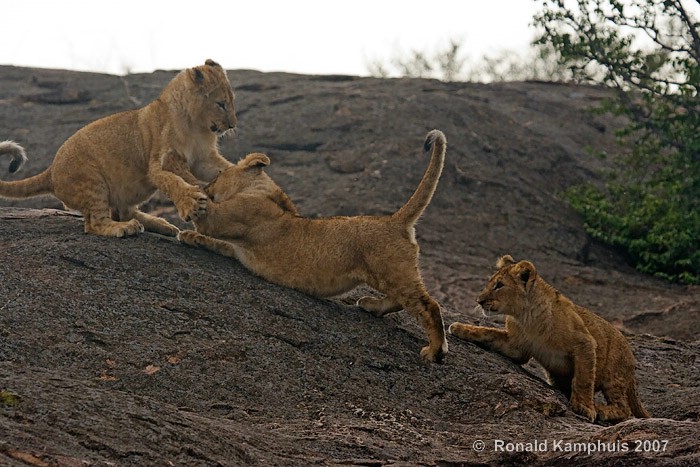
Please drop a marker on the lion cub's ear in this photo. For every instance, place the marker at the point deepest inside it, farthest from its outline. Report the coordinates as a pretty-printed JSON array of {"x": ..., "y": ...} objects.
[
  {"x": 526, "y": 273},
  {"x": 254, "y": 160},
  {"x": 281, "y": 199},
  {"x": 505, "y": 260},
  {"x": 196, "y": 74}
]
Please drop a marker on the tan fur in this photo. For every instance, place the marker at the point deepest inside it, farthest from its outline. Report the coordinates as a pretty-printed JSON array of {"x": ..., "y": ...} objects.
[
  {"x": 581, "y": 351},
  {"x": 107, "y": 168},
  {"x": 251, "y": 219}
]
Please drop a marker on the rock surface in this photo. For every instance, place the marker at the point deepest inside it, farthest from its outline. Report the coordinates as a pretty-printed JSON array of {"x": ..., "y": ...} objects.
[{"x": 142, "y": 351}]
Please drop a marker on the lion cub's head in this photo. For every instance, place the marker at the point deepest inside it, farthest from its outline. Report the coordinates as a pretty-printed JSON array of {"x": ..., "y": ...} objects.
[
  {"x": 508, "y": 289},
  {"x": 246, "y": 175},
  {"x": 248, "y": 178},
  {"x": 209, "y": 97}
]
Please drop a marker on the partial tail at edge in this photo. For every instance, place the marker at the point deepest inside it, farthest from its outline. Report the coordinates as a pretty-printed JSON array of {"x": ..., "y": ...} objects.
[
  {"x": 33, "y": 186},
  {"x": 19, "y": 157},
  {"x": 414, "y": 207},
  {"x": 636, "y": 406}
]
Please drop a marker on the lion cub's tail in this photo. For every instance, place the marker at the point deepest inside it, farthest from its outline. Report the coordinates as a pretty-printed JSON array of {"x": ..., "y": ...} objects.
[
  {"x": 37, "y": 185},
  {"x": 19, "y": 157},
  {"x": 636, "y": 406},
  {"x": 414, "y": 207}
]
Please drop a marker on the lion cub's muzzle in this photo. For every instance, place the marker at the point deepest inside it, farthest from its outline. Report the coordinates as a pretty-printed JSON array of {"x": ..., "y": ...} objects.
[{"x": 216, "y": 128}]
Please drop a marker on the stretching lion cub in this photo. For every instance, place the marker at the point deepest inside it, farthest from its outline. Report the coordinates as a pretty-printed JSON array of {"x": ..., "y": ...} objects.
[
  {"x": 581, "y": 352},
  {"x": 107, "y": 168},
  {"x": 251, "y": 219}
]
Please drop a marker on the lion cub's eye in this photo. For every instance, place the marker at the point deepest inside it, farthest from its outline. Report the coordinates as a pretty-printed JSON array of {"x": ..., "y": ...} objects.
[
  {"x": 222, "y": 105},
  {"x": 497, "y": 285}
]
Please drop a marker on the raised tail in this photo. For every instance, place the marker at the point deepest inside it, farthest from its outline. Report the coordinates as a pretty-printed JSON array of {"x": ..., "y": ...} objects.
[
  {"x": 636, "y": 406},
  {"x": 414, "y": 207},
  {"x": 33, "y": 186}
]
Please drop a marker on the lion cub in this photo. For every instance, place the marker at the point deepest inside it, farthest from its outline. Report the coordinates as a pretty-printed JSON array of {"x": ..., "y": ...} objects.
[
  {"x": 251, "y": 219},
  {"x": 107, "y": 168},
  {"x": 581, "y": 352}
]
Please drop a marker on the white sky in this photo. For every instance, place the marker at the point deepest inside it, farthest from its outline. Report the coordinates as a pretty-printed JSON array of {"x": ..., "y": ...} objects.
[{"x": 302, "y": 36}]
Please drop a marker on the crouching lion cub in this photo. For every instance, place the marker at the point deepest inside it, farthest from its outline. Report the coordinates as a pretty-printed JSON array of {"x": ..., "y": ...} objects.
[
  {"x": 107, "y": 168},
  {"x": 581, "y": 351},
  {"x": 251, "y": 219}
]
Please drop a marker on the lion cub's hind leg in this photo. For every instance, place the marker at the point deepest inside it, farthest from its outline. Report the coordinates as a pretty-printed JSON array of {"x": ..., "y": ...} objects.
[
  {"x": 404, "y": 289},
  {"x": 192, "y": 238},
  {"x": 379, "y": 306},
  {"x": 99, "y": 221},
  {"x": 617, "y": 407},
  {"x": 149, "y": 222},
  {"x": 421, "y": 305},
  {"x": 87, "y": 192},
  {"x": 583, "y": 382}
]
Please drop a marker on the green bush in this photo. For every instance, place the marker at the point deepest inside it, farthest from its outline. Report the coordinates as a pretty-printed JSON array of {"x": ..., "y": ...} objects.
[{"x": 647, "y": 51}]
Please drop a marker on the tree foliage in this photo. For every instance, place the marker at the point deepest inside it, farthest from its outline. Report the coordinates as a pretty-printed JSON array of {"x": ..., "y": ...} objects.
[
  {"x": 451, "y": 64},
  {"x": 444, "y": 64},
  {"x": 648, "y": 52}
]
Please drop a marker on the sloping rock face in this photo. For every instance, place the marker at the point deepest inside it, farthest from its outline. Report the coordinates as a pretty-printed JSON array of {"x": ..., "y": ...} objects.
[{"x": 142, "y": 351}]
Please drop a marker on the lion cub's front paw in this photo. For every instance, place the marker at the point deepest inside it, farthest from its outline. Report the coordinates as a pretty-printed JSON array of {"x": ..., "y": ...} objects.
[
  {"x": 430, "y": 355},
  {"x": 463, "y": 331},
  {"x": 189, "y": 237},
  {"x": 123, "y": 229},
  {"x": 192, "y": 205},
  {"x": 580, "y": 408}
]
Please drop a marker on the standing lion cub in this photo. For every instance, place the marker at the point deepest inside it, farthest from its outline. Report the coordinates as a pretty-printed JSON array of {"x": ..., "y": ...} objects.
[
  {"x": 251, "y": 219},
  {"x": 581, "y": 351},
  {"x": 107, "y": 168}
]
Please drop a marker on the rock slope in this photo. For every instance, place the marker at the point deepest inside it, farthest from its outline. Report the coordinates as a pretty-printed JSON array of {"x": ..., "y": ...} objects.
[{"x": 143, "y": 351}]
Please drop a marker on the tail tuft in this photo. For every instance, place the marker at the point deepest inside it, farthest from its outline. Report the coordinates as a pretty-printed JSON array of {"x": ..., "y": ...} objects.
[
  {"x": 409, "y": 213},
  {"x": 39, "y": 184},
  {"x": 432, "y": 137},
  {"x": 19, "y": 157}
]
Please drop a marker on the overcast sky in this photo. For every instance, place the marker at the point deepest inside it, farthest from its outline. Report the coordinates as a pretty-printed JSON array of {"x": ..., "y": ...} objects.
[{"x": 303, "y": 36}]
